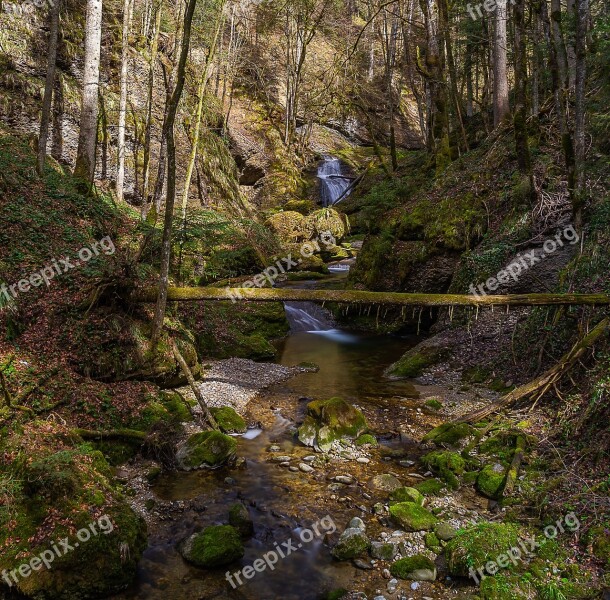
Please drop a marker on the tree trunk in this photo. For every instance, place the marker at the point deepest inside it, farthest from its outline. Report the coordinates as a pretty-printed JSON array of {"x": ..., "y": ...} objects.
[
  {"x": 500, "y": 89},
  {"x": 166, "y": 245},
  {"x": 520, "y": 118},
  {"x": 120, "y": 178},
  {"x": 48, "y": 86},
  {"x": 85, "y": 155}
]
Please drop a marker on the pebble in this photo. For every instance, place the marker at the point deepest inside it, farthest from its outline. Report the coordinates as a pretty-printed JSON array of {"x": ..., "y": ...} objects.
[
  {"x": 229, "y": 481},
  {"x": 294, "y": 469},
  {"x": 346, "y": 479},
  {"x": 362, "y": 564},
  {"x": 305, "y": 468},
  {"x": 274, "y": 448},
  {"x": 309, "y": 458},
  {"x": 281, "y": 459},
  {"x": 415, "y": 585},
  {"x": 386, "y": 573},
  {"x": 406, "y": 463},
  {"x": 363, "y": 460}
]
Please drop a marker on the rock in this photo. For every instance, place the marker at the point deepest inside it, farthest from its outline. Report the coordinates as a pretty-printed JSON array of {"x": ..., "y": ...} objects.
[
  {"x": 432, "y": 542},
  {"x": 274, "y": 448},
  {"x": 310, "y": 458},
  {"x": 206, "y": 449},
  {"x": 305, "y": 468},
  {"x": 215, "y": 546},
  {"x": 228, "y": 420},
  {"x": 416, "y": 360},
  {"x": 479, "y": 544},
  {"x": 367, "y": 440},
  {"x": 384, "y": 550},
  {"x": 407, "y": 494},
  {"x": 363, "y": 460},
  {"x": 448, "y": 433},
  {"x": 418, "y": 568},
  {"x": 239, "y": 517},
  {"x": 230, "y": 481},
  {"x": 447, "y": 465},
  {"x": 281, "y": 459},
  {"x": 379, "y": 508},
  {"x": 445, "y": 531},
  {"x": 490, "y": 481},
  {"x": 413, "y": 517},
  {"x": 345, "y": 479},
  {"x": 406, "y": 463},
  {"x": 357, "y": 523},
  {"x": 362, "y": 564},
  {"x": 330, "y": 420},
  {"x": 352, "y": 543},
  {"x": 293, "y": 469},
  {"x": 385, "y": 482}
]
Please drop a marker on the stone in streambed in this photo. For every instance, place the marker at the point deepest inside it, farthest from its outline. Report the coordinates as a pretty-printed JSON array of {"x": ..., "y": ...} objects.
[
  {"x": 413, "y": 517},
  {"x": 384, "y": 550},
  {"x": 353, "y": 542},
  {"x": 407, "y": 494},
  {"x": 206, "y": 449},
  {"x": 239, "y": 517},
  {"x": 490, "y": 481},
  {"x": 418, "y": 568},
  {"x": 385, "y": 482},
  {"x": 228, "y": 420},
  {"x": 215, "y": 546}
]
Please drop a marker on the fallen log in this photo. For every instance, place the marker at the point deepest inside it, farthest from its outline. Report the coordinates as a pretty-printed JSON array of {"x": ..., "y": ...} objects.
[
  {"x": 209, "y": 417},
  {"x": 546, "y": 380},
  {"x": 174, "y": 294},
  {"x": 129, "y": 435},
  {"x": 515, "y": 465}
]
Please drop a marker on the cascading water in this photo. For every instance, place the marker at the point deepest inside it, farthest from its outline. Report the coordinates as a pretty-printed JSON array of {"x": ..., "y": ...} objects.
[
  {"x": 334, "y": 184},
  {"x": 307, "y": 316}
]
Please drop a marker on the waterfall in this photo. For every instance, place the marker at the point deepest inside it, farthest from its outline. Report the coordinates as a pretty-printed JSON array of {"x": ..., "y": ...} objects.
[
  {"x": 333, "y": 182},
  {"x": 307, "y": 316}
]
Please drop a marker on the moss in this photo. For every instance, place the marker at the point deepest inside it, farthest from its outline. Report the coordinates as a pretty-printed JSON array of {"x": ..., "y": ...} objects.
[
  {"x": 448, "y": 433},
  {"x": 207, "y": 449},
  {"x": 432, "y": 542},
  {"x": 367, "y": 440},
  {"x": 490, "y": 481},
  {"x": 433, "y": 403},
  {"x": 476, "y": 374},
  {"x": 228, "y": 420},
  {"x": 414, "y": 362},
  {"x": 239, "y": 517},
  {"x": 430, "y": 487},
  {"x": 447, "y": 465},
  {"x": 475, "y": 546},
  {"x": 337, "y": 594},
  {"x": 352, "y": 543},
  {"x": 599, "y": 537},
  {"x": 176, "y": 406},
  {"x": 153, "y": 474},
  {"x": 413, "y": 517},
  {"x": 416, "y": 567},
  {"x": 215, "y": 546},
  {"x": 507, "y": 587},
  {"x": 330, "y": 420},
  {"x": 407, "y": 494}
]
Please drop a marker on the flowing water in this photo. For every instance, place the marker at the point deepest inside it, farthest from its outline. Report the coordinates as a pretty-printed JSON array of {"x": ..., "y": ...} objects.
[
  {"x": 280, "y": 501},
  {"x": 334, "y": 183}
]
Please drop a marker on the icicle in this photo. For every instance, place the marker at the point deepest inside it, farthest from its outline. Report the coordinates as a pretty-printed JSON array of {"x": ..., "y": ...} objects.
[
  {"x": 476, "y": 317},
  {"x": 419, "y": 319}
]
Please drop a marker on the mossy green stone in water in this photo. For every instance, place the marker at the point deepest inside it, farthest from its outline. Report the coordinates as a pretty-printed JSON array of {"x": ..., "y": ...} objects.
[
  {"x": 418, "y": 567},
  {"x": 215, "y": 546},
  {"x": 475, "y": 546},
  {"x": 239, "y": 517},
  {"x": 207, "y": 449},
  {"x": 228, "y": 420},
  {"x": 415, "y": 361},
  {"x": 367, "y": 439},
  {"x": 490, "y": 481},
  {"x": 352, "y": 543},
  {"x": 413, "y": 517},
  {"x": 407, "y": 494}
]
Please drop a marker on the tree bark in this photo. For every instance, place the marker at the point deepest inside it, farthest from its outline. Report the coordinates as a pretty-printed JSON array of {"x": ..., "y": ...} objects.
[
  {"x": 520, "y": 117},
  {"x": 500, "y": 86},
  {"x": 120, "y": 178},
  {"x": 48, "y": 87},
  {"x": 166, "y": 245},
  {"x": 85, "y": 155}
]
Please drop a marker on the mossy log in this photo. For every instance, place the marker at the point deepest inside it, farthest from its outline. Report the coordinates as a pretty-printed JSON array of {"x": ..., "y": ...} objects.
[
  {"x": 149, "y": 295},
  {"x": 513, "y": 470},
  {"x": 543, "y": 383},
  {"x": 115, "y": 434}
]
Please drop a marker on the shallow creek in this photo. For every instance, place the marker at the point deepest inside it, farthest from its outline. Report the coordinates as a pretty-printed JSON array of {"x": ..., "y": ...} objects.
[{"x": 280, "y": 500}]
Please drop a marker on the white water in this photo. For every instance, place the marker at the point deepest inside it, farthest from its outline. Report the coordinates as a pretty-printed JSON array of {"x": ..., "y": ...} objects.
[
  {"x": 333, "y": 186},
  {"x": 307, "y": 316}
]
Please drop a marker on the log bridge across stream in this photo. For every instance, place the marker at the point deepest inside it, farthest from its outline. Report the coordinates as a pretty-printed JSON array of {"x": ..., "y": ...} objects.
[{"x": 149, "y": 295}]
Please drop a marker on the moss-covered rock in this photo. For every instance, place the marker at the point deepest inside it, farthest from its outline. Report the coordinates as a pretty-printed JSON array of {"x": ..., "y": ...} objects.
[
  {"x": 327, "y": 220},
  {"x": 407, "y": 494},
  {"x": 416, "y": 360},
  {"x": 433, "y": 403},
  {"x": 509, "y": 587},
  {"x": 207, "y": 449},
  {"x": 418, "y": 568},
  {"x": 490, "y": 481},
  {"x": 448, "y": 433},
  {"x": 367, "y": 440},
  {"x": 413, "y": 517},
  {"x": 599, "y": 538},
  {"x": 445, "y": 531},
  {"x": 447, "y": 465},
  {"x": 475, "y": 546},
  {"x": 290, "y": 226},
  {"x": 215, "y": 546},
  {"x": 430, "y": 487},
  {"x": 432, "y": 542},
  {"x": 239, "y": 517},
  {"x": 384, "y": 550},
  {"x": 352, "y": 543},
  {"x": 229, "y": 420},
  {"x": 330, "y": 420}
]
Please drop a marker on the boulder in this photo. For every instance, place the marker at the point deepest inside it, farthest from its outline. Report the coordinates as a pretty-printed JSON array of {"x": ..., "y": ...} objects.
[
  {"x": 215, "y": 546},
  {"x": 330, "y": 420},
  {"x": 209, "y": 449}
]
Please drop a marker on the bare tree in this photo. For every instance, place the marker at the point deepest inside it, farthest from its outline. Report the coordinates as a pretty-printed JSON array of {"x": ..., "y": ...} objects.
[
  {"x": 120, "y": 178},
  {"x": 500, "y": 86}
]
